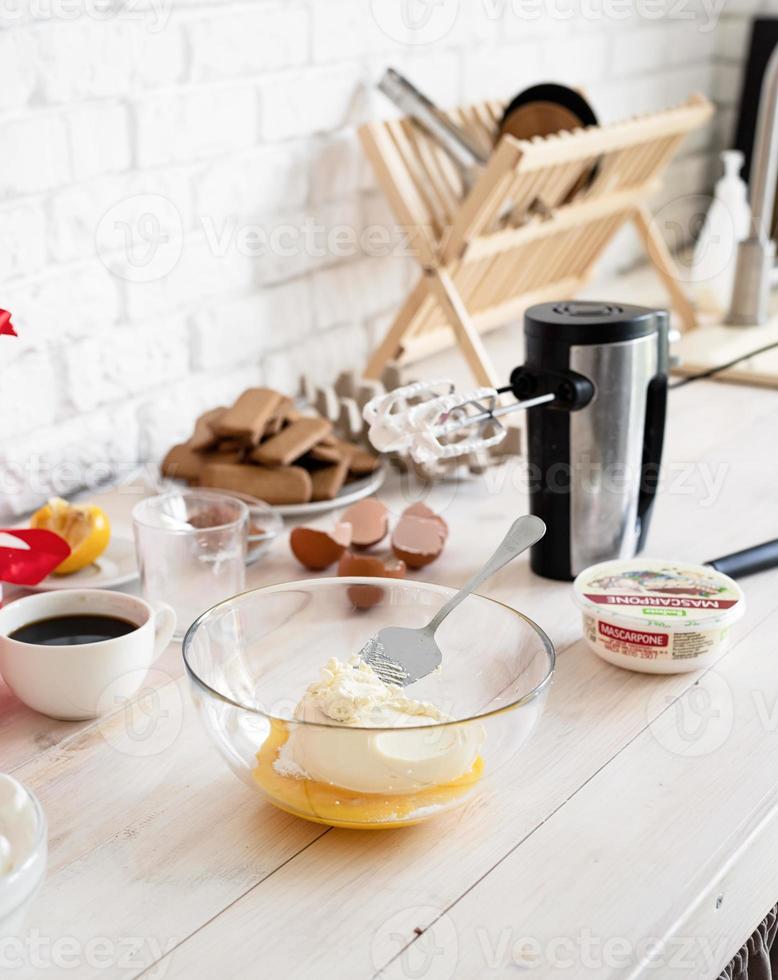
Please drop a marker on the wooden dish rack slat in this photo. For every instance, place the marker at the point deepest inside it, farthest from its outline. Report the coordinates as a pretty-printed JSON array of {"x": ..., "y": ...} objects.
[{"x": 528, "y": 230}]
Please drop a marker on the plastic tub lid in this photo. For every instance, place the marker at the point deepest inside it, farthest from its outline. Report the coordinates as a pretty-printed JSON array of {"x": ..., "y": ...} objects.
[{"x": 674, "y": 595}]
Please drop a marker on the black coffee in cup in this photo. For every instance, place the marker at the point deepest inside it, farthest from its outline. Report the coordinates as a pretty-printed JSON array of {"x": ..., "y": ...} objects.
[{"x": 69, "y": 630}]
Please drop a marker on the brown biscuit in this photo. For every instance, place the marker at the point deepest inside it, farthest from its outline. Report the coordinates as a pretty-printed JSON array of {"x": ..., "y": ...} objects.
[
  {"x": 292, "y": 442},
  {"x": 249, "y": 415},
  {"x": 328, "y": 480},
  {"x": 182, "y": 463},
  {"x": 325, "y": 453},
  {"x": 203, "y": 436},
  {"x": 332, "y": 449},
  {"x": 361, "y": 462},
  {"x": 230, "y": 447},
  {"x": 276, "y": 421},
  {"x": 224, "y": 456},
  {"x": 282, "y": 485}
]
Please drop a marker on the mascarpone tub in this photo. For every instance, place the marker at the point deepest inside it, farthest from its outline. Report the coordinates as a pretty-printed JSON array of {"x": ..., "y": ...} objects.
[{"x": 658, "y": 617}]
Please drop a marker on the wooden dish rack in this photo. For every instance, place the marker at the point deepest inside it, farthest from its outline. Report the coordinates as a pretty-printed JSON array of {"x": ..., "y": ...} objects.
[{"x": 528, "y": 230}]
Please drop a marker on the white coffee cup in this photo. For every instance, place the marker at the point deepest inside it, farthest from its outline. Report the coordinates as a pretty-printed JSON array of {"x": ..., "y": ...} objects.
[{"x": 70, "y": 682}]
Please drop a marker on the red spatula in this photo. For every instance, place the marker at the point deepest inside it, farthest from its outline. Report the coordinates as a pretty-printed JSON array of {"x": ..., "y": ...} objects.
[
  {"x": 28, "y": 555},
  {"x": 6, "y": 327}
]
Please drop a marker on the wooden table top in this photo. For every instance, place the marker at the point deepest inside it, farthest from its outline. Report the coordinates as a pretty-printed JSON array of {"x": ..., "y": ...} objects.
[{"x": 635, "y": 836}]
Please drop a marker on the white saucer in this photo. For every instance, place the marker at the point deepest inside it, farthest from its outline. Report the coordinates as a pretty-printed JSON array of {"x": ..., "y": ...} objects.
[
  {"x": 350, "y": 493},
  {"x": 116, "y": 566}
]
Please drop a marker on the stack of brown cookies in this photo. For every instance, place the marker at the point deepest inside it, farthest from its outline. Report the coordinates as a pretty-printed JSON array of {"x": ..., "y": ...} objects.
[{"x": 266, "y": 447}]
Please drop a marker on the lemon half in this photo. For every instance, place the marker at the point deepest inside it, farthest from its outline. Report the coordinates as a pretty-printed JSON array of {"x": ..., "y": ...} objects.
[{"x": 85, "y": 527}]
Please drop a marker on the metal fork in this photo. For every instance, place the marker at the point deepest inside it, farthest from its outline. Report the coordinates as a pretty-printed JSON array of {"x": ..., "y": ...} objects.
[{"x": 400, "y": 655}]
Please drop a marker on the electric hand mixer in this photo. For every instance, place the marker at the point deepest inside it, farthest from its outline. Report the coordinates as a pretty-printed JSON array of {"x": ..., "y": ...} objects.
[{"x": 594, "y": 383}]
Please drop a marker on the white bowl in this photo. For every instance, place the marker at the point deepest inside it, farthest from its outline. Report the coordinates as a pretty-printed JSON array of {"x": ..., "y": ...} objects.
[{"x": 18, "y": 889}]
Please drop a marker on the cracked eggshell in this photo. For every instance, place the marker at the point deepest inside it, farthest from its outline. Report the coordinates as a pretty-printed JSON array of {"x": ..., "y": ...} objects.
[
  {"x": 369, "y": 566},
  {"x": 369, "y": 520},
  {"x": 317, "y": 549},
  {"x": 422, "y": 510},
  {"x": 418, "y": 541}
]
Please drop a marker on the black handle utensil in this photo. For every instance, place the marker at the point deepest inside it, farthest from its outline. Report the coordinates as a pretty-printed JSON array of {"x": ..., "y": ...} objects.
[{"x": 749, "y": 561}]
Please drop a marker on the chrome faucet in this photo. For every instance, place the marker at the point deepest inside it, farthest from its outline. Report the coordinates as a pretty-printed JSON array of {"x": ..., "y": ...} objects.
[{"x": 756, "y": 255}]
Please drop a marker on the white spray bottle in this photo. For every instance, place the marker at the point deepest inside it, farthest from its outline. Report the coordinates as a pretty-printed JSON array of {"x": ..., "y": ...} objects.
[{"x": 727, "y": 222}]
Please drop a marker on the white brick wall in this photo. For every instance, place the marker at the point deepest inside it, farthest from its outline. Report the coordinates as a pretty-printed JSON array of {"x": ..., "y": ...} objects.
[
  {"x": 36, "y": 154},
  {"x": 182, "y": 196}
]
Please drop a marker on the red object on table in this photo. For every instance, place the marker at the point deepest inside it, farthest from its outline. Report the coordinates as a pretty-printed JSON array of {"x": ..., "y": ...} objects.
[
  {"x": 6, "y": 327},
  {"x": 37, "y": 555}
]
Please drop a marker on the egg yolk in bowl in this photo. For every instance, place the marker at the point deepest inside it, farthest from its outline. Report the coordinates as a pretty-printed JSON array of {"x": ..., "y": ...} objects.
[
  {"x": 338, "y": 807},
  {"x": 362, "y": 753}
]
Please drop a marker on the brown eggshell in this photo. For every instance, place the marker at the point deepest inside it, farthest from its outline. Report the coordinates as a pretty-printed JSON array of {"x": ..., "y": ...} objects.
[
  {"x": 369, "y": 520},
  {"x": 418, "y": 540},
  {"x": 317, "y": 549},
  {"x": 422, "y": 510},
  {"x": 366, "y": 596}
]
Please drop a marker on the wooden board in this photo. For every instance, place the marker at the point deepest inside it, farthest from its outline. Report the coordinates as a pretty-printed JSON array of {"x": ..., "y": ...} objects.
[{"x": 531, "y": 223}]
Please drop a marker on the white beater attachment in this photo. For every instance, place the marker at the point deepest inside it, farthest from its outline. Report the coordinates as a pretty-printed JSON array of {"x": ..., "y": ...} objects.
[{"x": 428, "y": 429}]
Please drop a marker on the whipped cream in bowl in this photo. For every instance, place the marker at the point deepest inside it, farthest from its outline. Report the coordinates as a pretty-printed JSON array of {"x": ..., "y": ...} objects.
[
  {"x": 318, "y": 734},
  {"x": 407, "y": 752},
  {"x": 23, "y": 853}
]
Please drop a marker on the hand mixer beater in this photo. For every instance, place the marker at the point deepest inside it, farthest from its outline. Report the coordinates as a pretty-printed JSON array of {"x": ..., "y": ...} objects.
[{"x": 430, "y": 421}]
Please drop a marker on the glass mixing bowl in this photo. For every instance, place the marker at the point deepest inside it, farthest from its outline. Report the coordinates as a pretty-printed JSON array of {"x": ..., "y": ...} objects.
[{"x": 251, "y": 658}]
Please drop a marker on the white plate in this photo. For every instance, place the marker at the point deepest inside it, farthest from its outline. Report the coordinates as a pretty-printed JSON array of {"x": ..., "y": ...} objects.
[
  {"x": 350, "y": 493},
  {"x": 116, "y": 566}
]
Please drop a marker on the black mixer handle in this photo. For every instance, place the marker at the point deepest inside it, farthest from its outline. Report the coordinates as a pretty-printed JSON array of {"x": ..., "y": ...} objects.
[{"x": 654, "y": 432}]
